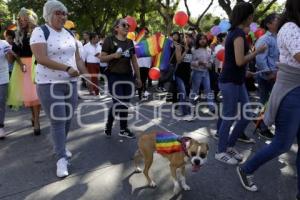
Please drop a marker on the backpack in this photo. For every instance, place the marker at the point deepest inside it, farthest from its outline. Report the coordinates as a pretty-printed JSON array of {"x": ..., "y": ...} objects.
[{"x": 47, "y": 32}]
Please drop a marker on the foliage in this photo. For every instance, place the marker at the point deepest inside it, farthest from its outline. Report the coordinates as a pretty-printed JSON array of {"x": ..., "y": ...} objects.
[{"x": 4, "y": 14}]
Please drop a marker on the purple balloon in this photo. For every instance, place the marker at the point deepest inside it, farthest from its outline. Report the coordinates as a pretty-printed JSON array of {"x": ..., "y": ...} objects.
[
  {"x": 215, "y": 30},
  {"x": 253, "y": 26}
]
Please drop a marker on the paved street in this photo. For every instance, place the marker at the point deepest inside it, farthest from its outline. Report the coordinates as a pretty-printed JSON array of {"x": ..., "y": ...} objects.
[{"x": 102, "y": 168}]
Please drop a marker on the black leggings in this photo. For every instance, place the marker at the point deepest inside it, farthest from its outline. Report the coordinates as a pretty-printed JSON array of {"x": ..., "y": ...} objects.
[{"x": 144, "y": 76}]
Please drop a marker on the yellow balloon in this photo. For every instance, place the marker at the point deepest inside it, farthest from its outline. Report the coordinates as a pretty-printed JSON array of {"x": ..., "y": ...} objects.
[
  {"x": 131, "y": 35},
  {"x": 69, "y": 24},
  {"x": 215, "y": 40}
]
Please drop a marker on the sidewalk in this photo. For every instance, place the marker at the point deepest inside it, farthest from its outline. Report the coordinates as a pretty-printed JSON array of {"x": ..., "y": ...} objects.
[{"x": 102, "y": 168}]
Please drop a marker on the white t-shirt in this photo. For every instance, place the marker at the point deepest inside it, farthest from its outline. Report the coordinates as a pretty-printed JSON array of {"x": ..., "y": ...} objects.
[
  {"x": 288, "y": 40},
  {"x": 80, "y": 48},
  {"x": 102, "y": 64},
  {"x": 4, "y": 48},
  {"x": 90, "y": 51},
  {"x": 145, "y": 62},
  {"x": 61, "y": 47}
]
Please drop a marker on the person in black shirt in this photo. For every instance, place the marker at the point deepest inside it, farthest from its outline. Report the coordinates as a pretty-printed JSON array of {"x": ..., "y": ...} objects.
[
  {"x": 22, "y": 89},
  {"x": 118, "y": 51},
  {"x": 232, "y": 83}
]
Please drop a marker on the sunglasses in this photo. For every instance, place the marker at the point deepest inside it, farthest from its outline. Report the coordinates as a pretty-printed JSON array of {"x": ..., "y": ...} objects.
[
  {"x": 124, "y": 25},
  {"x": 58, "y": 12}
]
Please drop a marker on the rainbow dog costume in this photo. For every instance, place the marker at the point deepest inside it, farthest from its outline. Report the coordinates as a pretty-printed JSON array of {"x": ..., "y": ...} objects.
[{"x": 167, "y": 143}]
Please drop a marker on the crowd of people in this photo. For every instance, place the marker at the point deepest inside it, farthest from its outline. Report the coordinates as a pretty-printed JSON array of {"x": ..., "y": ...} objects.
[{"x": 40, "y": 66}]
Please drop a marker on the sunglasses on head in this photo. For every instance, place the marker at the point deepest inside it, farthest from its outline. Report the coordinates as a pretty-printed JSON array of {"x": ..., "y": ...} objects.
[{"x": 58, "y": 12}]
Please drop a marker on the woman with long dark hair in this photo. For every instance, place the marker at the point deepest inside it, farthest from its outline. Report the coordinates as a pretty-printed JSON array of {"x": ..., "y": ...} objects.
[
  {"x": 201, "y": 62},
  {"x": 232, "y": 83},
  {"x": 283, "y": 108},
  {"x": 183, "y": 74}
]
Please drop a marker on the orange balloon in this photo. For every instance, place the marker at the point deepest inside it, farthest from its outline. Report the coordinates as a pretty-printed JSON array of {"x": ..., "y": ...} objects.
[
  {"x": 69, "y": 24},
  {"x": 154, "y": 73},
  {"x": 12, "y": 27}
]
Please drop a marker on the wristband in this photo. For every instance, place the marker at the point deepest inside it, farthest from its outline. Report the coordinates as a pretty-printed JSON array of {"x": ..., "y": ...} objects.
[{"x": 68, "y": 68}]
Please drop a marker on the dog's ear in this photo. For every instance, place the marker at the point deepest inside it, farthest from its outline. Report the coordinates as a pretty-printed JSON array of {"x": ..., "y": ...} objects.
[
  {"x": 207, "y": 146},
  {"x": 186, "y": 140}
]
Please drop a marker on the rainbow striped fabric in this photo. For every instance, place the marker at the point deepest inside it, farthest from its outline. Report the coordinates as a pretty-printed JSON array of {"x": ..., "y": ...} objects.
[
  {"x": 167, "y": 142},
  {"x": 148, "y": 47},
  {"x": 162, "y": 60},
  {"x": 140, "y": 36}
]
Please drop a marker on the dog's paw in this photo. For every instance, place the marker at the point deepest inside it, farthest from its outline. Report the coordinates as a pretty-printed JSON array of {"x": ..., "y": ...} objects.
[
  {"x": 152, "y": 184},
  {"x": 176, "y": 189},
  {"x": 186, "y": 187},
  {"x": 138, "y": 170}
]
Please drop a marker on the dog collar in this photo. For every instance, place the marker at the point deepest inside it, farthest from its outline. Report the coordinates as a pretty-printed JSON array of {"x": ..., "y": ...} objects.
[{"x": 183, "y": 141}]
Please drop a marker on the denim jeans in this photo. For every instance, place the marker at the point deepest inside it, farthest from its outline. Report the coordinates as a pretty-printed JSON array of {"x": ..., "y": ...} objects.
[
  {"x": 3, "y": 96},
  {"x": 233, "y": 95},
  {"x": 182, "y": 93},
  {"x": 121, "y": 92},
  {"x": 59, "y": 106},
  {"x": 287, "y": 129},
  {"x": 198, "y": 78}
]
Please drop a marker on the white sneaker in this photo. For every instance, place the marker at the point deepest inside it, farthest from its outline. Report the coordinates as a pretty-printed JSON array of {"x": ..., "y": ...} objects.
[
  {"x": 235, "y": 154},
  {"x": 146, "y": 94},
  {"x": 225, "y": 158},
  {"x": 68, "y": 153},
  {"x": 62, "y": 168},
  {"x": 188, "y": 118},
  {"x": 2, "y": 133}
]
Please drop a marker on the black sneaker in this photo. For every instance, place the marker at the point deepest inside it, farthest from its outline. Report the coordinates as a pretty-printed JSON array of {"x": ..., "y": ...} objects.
[
  {"x": 127, "y": 133},
  {"x": 107, "y": 132},
  {"x": 246, "y": 180},
  {"x": 244, "y": 138},
  {"x": 266, "y": 134}
]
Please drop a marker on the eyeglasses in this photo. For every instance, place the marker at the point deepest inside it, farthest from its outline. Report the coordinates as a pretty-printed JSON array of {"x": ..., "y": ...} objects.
[{"x": 58, "y": 12}]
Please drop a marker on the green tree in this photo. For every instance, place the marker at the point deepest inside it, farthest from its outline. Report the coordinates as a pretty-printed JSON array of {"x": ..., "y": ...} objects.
[
  {"x": 264, "y": 5},
  {"x": 5, "y": 18},
  {"x": 209, "y": 21},
  {"x": 14, "y": 6},
  {"x": 196, "y": 22}
]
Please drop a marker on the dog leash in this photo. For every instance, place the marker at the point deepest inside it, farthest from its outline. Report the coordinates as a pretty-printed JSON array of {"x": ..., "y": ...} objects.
[{"x": 133, "y": 108}]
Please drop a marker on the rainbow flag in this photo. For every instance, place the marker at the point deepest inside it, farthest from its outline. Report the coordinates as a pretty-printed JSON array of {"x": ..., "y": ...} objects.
[
  {"x": 140, "y": 36},
  {"x": 149, "y": 47},
  {"x": 167, "y": 143},
  {"x": 162, "y": 60}
]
